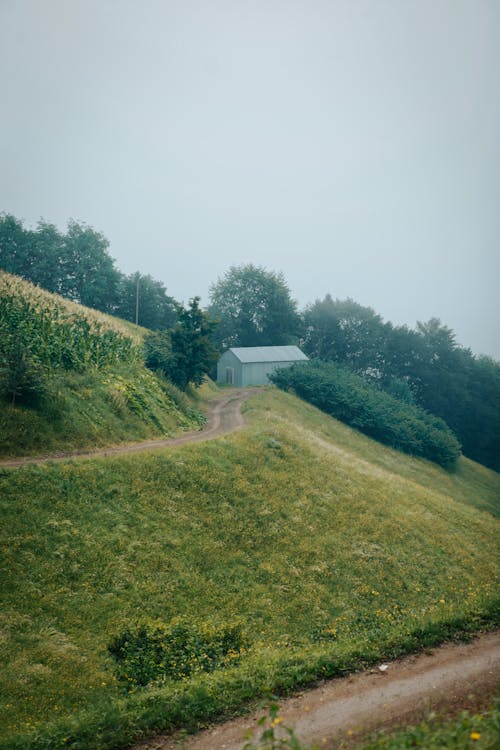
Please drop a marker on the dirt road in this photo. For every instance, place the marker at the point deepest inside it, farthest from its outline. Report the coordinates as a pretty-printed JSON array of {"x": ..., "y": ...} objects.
[
  {"x": 224, "y": 416},
  {"x": 450, "y": 677}
]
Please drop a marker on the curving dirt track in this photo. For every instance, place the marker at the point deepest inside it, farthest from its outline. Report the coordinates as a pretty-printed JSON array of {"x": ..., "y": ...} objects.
[
  {"x": 449, "y": 678},
  {"x": 224, "y": 416}
]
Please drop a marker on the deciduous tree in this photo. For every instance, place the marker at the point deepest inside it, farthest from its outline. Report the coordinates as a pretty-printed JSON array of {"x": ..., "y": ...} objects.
[{"x": 254, "y": 308}]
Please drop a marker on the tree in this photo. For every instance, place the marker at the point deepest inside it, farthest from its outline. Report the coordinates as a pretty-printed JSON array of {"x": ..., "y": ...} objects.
[
  {"x": 186, "y": 353},
  {"x": 15, "y": 255},
  {"x": 254, "y": 308},
  {"x": 148, "y": 297},
  {"x": 34, "y": 255},
  {"x": 76, "y": 264},
  {"x": 345, "y": 332},
  {"x": 192, "y": 344},
  {"x": 89, "y": 272}
]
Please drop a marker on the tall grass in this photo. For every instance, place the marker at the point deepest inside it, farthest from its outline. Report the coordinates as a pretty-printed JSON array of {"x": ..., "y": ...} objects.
[
  {"x": 322, "y": 542},
  {"x": 71, "y": 377}
]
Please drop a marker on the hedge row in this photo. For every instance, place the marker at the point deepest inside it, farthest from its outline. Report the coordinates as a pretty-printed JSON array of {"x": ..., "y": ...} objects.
[{"x": 347, "y": 397}]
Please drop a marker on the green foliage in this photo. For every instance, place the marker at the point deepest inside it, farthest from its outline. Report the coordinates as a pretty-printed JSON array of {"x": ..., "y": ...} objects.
[
  {"x": 146, "y": 298},
  {"x": 155, "y": 652},
  {"x": 463, "y": 732},
  {"x": 274, "y": 734},
  {"x": 254, "y": 308},
  {"x": 80, "y": 372},
  {"x": 331, "y": 531},
  {"x": 339, "y": 392},
  {"x": 23, "y": 378},
  {"x": 158, "y": 353},
  {"x": 425, "y": 366},
  {"x": 185, "y": 354},
  {"x": 53, "y": 335},
  {"x": 480, "y": 731},
  {"x": 77, "y": 265},
  {"x": 344, "y": 332}
]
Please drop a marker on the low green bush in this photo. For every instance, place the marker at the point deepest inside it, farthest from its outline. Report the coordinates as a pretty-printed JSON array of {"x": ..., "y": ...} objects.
[
  {"x": 347, "y": 397},
  {"x": 155, "y": 652}
]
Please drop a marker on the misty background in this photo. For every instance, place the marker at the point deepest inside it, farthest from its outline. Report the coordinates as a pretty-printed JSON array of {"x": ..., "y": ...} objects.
[{"x": 352, "y": 145}]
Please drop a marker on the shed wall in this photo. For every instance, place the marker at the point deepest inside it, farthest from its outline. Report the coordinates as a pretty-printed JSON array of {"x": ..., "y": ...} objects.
[
  {"x": 229, "y": 361},
  {"x": 256, "y": 373}
]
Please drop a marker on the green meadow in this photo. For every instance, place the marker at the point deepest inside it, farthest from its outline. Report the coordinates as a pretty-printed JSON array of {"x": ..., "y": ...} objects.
[{"x": 330, "y": 550}]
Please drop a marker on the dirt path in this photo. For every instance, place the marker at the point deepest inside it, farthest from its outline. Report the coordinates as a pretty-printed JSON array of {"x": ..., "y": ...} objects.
[
  {"x": 224, "y": 416},
  {"x": 451, "y": 677}
]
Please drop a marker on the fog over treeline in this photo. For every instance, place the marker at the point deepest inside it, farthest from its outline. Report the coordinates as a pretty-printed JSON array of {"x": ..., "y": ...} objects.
[{"x": 352, "y": 145}]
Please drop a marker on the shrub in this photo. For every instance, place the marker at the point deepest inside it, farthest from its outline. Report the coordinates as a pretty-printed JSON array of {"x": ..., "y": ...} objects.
[
  {"x": 23, "y": 379},
  {"x": 346, "y": 396},
  {"x": 155, "y": 652}
]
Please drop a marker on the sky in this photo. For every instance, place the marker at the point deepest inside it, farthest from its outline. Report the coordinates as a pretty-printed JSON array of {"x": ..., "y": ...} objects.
[{"x": 353, "y": 145}]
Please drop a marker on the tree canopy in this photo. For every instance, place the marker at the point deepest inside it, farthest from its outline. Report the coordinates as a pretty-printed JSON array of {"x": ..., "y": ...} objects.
[
  {"x": 185, "y": 353},
  {"x": 254, "y": 308},
  {"x": 345, "y": 332},
  {"x": 77, "y": 265},
  {"x": 146, "y": 299}
]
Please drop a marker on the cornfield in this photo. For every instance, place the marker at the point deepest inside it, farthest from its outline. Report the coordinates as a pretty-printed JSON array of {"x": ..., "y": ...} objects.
[{"x": 56, "y": 333}]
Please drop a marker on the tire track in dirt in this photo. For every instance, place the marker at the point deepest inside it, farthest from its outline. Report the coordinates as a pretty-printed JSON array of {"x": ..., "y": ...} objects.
[{"x": 224, "y": 416}]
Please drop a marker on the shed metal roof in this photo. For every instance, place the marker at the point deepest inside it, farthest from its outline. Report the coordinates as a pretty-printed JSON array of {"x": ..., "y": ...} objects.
[{"x": 247, "y": 354}]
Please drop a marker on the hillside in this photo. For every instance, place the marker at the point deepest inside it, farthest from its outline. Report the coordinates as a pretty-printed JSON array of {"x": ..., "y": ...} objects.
[
  {"x": 72, "y": 377},
  {"x": 330, "y": 550}
]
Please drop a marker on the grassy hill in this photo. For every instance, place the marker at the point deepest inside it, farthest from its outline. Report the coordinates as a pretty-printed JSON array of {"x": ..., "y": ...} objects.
[
  {"x": 71, "y": 377},
  {"x": 330, "y": 550}
]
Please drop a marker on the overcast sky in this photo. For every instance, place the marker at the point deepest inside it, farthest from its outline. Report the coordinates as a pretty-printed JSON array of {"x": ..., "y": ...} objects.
[{"x": 353, "y": 145}]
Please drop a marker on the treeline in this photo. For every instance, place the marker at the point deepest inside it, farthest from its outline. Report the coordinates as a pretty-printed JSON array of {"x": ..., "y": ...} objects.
[
  {"x": 342, "y": 394},
  {"x": 77, "y": 265},
  {"x": 424, "y": 366}
]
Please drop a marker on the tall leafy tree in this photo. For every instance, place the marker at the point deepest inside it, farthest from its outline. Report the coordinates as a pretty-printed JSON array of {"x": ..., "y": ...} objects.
[
  {"x": 15, "y": 251},
  {"x": 90, "y": 274},
  {"x": 47, "y": 251},
  {"x": 345, "y": 332},
  {"x": 35, "y": 255},
  {"x": 76, "y": 264},
  {"x": 254, "y": 308},
  {"x": 147, "y": 299}
]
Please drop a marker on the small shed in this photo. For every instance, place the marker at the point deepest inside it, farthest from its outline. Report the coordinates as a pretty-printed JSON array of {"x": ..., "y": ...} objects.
[{"x": 251, "y": 365}]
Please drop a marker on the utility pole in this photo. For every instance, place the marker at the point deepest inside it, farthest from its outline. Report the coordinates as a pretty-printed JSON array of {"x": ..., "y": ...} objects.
[{"x": 137, "y": 279}]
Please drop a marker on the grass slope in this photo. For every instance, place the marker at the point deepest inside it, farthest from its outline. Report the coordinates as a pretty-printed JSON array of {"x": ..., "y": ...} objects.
[
  {"x": 96, "y": 389},
  {"x": 333, "y": 550}
]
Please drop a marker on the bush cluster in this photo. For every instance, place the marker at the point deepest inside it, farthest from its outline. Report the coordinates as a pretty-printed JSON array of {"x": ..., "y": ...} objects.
[
  {"x": 347, "y": 397},
  {"x": 156, "y": 652}
]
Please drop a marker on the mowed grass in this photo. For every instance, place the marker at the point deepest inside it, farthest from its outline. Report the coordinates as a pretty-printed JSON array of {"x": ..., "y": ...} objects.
[{"x": 331, "y": 549}]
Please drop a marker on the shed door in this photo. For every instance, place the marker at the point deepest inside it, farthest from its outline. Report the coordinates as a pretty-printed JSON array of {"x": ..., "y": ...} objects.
[{"x": 229, "y": 375}]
